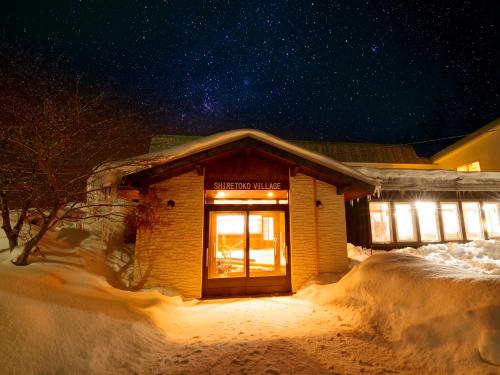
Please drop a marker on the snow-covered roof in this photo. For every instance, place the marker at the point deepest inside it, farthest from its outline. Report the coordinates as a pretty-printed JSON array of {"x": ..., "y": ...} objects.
[
  {"x": 432, "y": 180},
  {"x": 206, "y": 143}
]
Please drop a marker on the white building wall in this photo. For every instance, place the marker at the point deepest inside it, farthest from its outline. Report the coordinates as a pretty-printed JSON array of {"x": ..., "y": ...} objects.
[
  {"x": 169, "y": 253},
  {"x": 317, "y": 234}
]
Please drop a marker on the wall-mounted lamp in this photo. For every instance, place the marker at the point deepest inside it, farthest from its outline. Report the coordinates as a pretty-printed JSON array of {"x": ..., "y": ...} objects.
[
  {"x": 170, "y": 204},
  {"x": 319, "y": 204}
]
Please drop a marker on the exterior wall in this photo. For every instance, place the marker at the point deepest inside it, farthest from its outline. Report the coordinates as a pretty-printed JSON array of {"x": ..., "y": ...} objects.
[
  {"x": 317, "y": 235},
  {"x": 169, "y": 254},
  {"x": 331, "y": 229},
  {"x": 483, "y": 148}
]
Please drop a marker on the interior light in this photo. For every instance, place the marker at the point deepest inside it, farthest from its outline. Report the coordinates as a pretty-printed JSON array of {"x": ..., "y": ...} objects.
[
  {"x": 220, "y": 194},
  {"x": 270, "y": 194}
]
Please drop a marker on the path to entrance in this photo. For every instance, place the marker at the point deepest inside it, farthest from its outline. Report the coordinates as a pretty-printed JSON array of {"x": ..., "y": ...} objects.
[{"x": 276, "y": 335}]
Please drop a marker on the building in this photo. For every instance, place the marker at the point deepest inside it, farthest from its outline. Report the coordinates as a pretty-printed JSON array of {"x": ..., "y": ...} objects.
[
  {"x": 476, "y": 152},
  {"x": 239, "y": 212},
  {"x": 245, "y": 212}
]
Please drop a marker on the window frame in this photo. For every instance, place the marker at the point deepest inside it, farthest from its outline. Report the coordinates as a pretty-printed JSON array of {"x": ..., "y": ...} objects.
[
  {"x": 481, "y": 220},
  {"x": 461, "y": 230},
  {"x": 416, "y": 229},
  {"x": 468, "y": 165},
  {"x": 486, "y": 230},
  {"x": 438, "y": 220},
  {"x": 417, "y": 241},
  {"x": 390, "y": 222}
]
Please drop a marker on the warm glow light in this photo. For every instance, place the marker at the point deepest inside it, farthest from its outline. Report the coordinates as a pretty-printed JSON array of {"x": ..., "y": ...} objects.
[
  {"x": 230, "y": 224},
  {"x": 220, "y": 194},
  {"x": 380, "y": 222},
  {"x": 472, "y": 219},
  {"x": 405, "y": 227},
  {"x": 428, "y": 221},
  {"x": 255, "y": 224},
  {"x": 270, "y": 194},
  {"x": 492, "y": 218},
  {"x": 451, "y": 223},
  {"x": 249, "y": 201},
  {"x": 470, "y": 167}
]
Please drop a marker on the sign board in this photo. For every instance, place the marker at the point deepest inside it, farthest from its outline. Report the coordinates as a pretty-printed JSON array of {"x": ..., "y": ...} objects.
[{"x": 246, "y": 185}]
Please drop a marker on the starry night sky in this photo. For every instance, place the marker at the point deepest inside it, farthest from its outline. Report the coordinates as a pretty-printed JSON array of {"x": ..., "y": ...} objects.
[{"x": 370, "y": 71}]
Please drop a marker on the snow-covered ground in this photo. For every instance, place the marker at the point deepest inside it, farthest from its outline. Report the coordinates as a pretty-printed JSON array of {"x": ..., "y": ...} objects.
[
  {"x": 392, "y": 313},
  {"x": 481, "y": 256}
]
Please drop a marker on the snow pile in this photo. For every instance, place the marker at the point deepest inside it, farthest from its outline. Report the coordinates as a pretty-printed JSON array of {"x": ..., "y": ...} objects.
[
  {"x": 448, "y": 317},
  {"x": 61, "y": 319},
  {"x": 479, "y": 256},
  {"x": 357, "y": 253},
  {"x": 425, "y": 179}
]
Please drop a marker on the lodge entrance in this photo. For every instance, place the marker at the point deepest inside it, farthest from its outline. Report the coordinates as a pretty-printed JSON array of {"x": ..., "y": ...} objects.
[{"x": 246, "y": 250}]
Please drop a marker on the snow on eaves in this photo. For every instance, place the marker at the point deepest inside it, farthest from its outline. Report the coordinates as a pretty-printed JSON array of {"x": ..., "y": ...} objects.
[
  {"x": 432, "y": 180},
  {"x": 150, "y": 160}
]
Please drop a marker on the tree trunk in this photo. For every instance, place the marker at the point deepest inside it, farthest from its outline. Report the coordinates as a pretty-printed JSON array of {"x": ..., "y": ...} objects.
[
  {"x": 12, "y": 233},
  {"x": 13, "y": 241},
  {"x": 22, "y": 259},
  {"x": 6, "y": 224}
]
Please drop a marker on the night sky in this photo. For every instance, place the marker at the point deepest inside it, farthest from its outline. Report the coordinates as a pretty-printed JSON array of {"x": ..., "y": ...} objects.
[{"x": 370, "y": 71}]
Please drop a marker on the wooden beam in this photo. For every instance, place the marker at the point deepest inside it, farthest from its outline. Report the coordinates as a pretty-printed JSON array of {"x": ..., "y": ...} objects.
[
  {"x": 342, "y": 189},
  {"x": 199, "y": 169}
]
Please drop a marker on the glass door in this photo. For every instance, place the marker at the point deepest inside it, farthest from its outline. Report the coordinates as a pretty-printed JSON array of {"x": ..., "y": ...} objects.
[
  {"x": 267, "y": 244},
  {"x": 246, "y": 252},
  {"x": 227, "y": 245}
]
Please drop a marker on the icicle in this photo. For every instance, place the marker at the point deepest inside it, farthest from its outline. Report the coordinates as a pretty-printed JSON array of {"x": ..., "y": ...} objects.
[{"x": 352, "y": 202}]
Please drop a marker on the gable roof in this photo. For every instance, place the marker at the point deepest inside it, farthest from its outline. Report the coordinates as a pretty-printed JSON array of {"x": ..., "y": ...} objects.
[
  {"x": 340, "y": 151},
  {"x": 491, "y": 126},
  {"x": 187, "y": 155}
]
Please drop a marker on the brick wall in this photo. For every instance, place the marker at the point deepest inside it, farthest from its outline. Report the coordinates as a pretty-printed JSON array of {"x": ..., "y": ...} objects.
[
  {"x": 170, "y": 253},
  {"x": 302, "y": 230},
  {"x": 331, "y": 229},
  {"x": 317, "y": 235}
]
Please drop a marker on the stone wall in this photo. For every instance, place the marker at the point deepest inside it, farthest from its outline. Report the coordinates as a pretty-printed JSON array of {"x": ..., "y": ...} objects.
[
  {"x": 169, "y": 253},
  {"x": 317, "y": 234}
]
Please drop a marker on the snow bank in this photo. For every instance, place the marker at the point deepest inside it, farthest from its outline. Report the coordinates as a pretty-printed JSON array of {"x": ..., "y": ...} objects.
[
  {"x": 449, "y": 317},
  {"x": 57, "y": 318},
  {"x": 478, "y": 256},
  {"x": 357, "y": 253}
]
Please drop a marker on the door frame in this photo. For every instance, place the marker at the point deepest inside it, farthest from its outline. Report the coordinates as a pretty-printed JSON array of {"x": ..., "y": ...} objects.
[{"x": 246, "y": 285}]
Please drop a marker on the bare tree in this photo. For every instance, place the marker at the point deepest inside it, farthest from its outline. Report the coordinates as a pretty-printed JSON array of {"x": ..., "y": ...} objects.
[{"x": 53, "y": 137}]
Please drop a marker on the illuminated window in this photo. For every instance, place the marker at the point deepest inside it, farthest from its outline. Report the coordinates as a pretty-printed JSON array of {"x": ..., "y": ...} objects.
[
  {"x": 428, "y": 221},
  {"x": 268, "y": 228},
  {"x": 405, "y": 225},
  {"x": 471, "y": 167},
  {"x": 230, "y": 224},
  {"x": 492, "y": 218},
  {"x": 255, "y": 224},
  {"x": 452, "y": 229},
  {"x": 380, "y": 222},
  {"x": 472, "y": 220}
]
